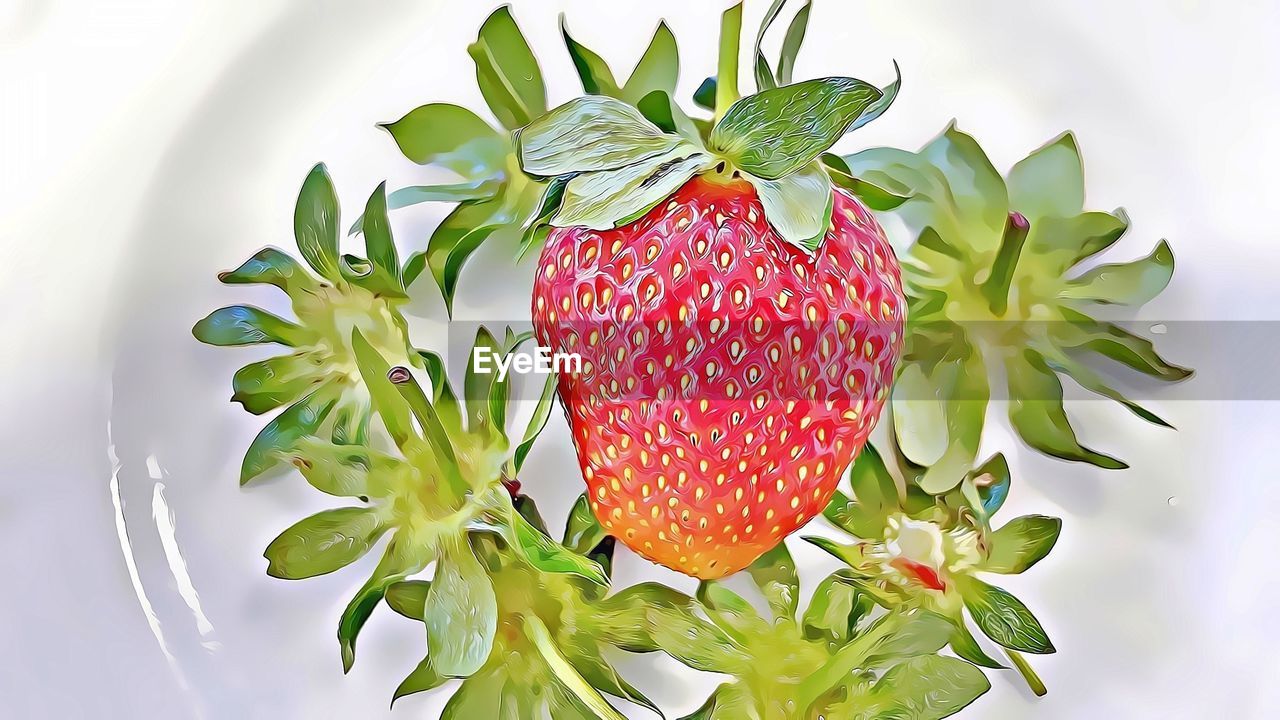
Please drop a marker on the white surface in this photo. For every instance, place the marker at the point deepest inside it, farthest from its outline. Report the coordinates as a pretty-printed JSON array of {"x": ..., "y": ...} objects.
[{"x": 146, "y": 144}]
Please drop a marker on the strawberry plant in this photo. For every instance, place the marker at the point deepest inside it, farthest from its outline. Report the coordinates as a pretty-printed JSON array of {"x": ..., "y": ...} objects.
[{"x": 741, "y": 321}]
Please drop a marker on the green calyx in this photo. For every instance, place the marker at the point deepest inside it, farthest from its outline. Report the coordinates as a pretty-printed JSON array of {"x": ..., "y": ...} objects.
[
  {"x": 994, "y": 290},
  {"x": 914, "y": 549},
  {"x": 618, "y": 152},
  {"x": 835, "y": 659},
  {"x": 441, "y": 496},
  {"x": 548, "y": 651},
  {"x": 319, "y": 380}
]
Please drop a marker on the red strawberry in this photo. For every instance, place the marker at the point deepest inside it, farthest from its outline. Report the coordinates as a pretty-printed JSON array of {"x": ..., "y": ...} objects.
[{"x": 728, "y": 378}]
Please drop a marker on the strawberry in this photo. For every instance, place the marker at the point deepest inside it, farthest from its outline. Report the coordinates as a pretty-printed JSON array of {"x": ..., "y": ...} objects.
[
  {"x": 728, "y": 377},
  {"x": 737, "y": 311}
]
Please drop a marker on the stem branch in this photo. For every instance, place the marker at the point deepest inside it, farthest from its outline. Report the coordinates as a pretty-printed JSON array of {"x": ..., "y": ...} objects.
[
  {"x": 996, "y": 287},
  {"x": 1028, "y": 673}
]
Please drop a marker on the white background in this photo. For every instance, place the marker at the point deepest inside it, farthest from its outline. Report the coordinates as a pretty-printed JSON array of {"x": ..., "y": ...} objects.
[{"x": 145, "y": 145}]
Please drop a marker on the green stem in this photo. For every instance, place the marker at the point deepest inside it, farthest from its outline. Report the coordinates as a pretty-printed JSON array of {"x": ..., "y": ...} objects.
[
  {"x": 727, "y": 69},
  {"x": 566, "y": 673},
  {"x": 996, "y": 287},
  {"x": 1028, "y": 673}
]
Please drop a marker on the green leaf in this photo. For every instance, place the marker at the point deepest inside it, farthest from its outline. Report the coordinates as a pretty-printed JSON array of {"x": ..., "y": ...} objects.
[
  {"x": 1003, "y": 617},
  {"x": 454, "y": 193},
  {"x": 871, "y": 195},
  {"x": 246, "y": 325},
  {"x": 454, "y": 240},
  {"x": 1036, "y": 412},
  {"x": 966, "y": 646},
  {"x": 888, "y": 94},
  {"x": 925, "y": 688},
  {"x": 432, "y": 428},
  {"x": 593, "y": 71},
  {"x": 461, "y": 614},
  {"x": 726, "y": 83},
  {"x": 705, "y": 96},
  {"x": 974, "y": 186},
  {"x": 1050, "y": 181},
  {"x": 279, "y": 436},
  {"x": 396, "y": 562},
  {"x": 541, "y": 413},
  {"x": 324, "y": 542},
  {"x": 660, "y": 109},
  {"x": 536, "y": 232},
  {"x": 776, "y": 132},
  {"x": 798, "y": 206},
  {"x": 479, "y": 696},
  {"x": 390, "y": 406},
  {"x": 550, "y": 556},
  {"x": 938, "y": 415},
  {"x": 606, "y": 199},
  {"x": 379, "y": 244},
  {"x": 853, "y": 555},
  {"x": 450, "y": 136},
  {"x": 409, "y": 598},
  {"x": 1021, "y": 543},
  {"x": 597, "y": 671},
  {"x": 272, "y": 267},
  {"x": 1112, "y": 341},
  {"x": 1132, "y": 283},
  {"x": 923, "y": 633},
  {"x": 566, "y": 673},
  {"x": 266, "y": 385},
  {"x": 657, "y": 69},
  {"x": 587, "y": 134},
  {"x": 1091, "y": 381},
  {"x": 775, "y": 574},
  {"x": 442, "y": 398},
  {"x": 835, "y": 610},
  {"x": 731, "y": 611},
  {"x": 1065, "y": 241},
  {"x": 422, "y": 679},
  {"x": 315, "y": 223},
  {"x": 341, "y": 470},
  {"x": 791, "y": 44},
  {"x": 507, "y": 71},
  {"x": 477, "y": 385},
  {"x": 764, "y": 75},
  {"x": 650, "y": 617},
  {"x": 582, "y": 532},
  {"x": 873, "y": 487}
]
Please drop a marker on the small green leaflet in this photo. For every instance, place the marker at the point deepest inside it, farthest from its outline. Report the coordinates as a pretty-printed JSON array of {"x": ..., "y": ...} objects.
[
  {"x": 925, "y": 688},
  {"x": 1023, "y": 542},
  {"x": 607, "y": 199},
  {"x": 507, "y": 71},
  {"x": 776, "y": 132},
  {"x": 461, "y": 614},
  {"x": 324, "y": 542},
  {"x": 798, "y": 206},
  {"x": 590, "y": 133},
  {"x": 1003, "y": 617}
]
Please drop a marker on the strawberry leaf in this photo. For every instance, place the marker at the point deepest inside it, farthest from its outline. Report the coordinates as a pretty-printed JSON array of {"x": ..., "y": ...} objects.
[
  {"x": 409, "y": 598},
  {"x": 1021, "y": 543},
  {"x": 657, "y": 69},
  {"x": 461, "y": 614},
  {"x": 272, "y": 267},
  {"x": 507, "y": 71},
  {"x": 763, "y": 134},
  {"x": 775, "y": 574},
  {"x": 1132, "y": 283},
  {"x": 422, "y": 679},
  {"x": 610, "y": 198},
  {"x": 266, "y": 385},
  {"x": 283, "y": 432},
  {"x": 325, "y": 542},
  {"x": 593, "y": 71},
  {"x": 315, "y": 223},
  {"x": 587, "y": 134},
  {"x": 1004, "y": 618},
  {"x": 926, "y": 688},
  {"x": 246, "y": 325},
  {"x": 400, "y": 559},
  {"x": 798, "y": 206},
  {"x": 791, "y": 44},
  {"x": 450, "y": 136}
]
